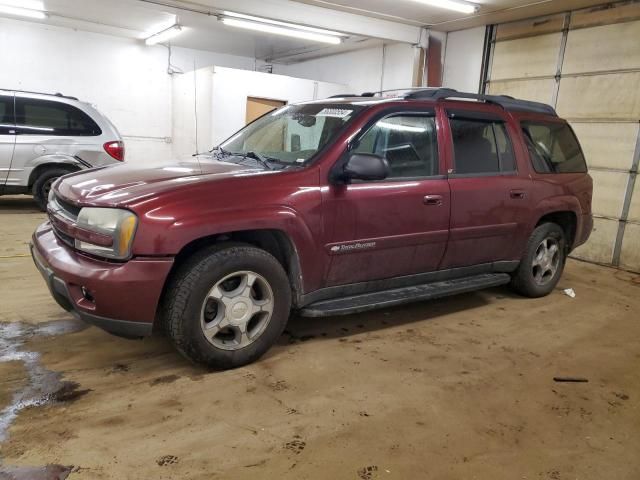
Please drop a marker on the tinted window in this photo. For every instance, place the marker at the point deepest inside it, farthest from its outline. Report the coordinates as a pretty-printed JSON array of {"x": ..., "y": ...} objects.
[
  {"x": 553, "y": 148},
  {"x": 409, "y": 144},
  {"x": 481, "y": 147},
  {"x": 6, "y": 114},
  {"x": 43, "y": 117}
]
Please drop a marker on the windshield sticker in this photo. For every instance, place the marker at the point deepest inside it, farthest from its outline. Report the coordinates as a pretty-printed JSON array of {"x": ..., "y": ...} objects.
[{"x": 334, "y": 112}]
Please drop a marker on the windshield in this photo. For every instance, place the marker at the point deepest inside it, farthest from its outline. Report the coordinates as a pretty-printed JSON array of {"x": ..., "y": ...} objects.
[{"x": 292, "y": 134}]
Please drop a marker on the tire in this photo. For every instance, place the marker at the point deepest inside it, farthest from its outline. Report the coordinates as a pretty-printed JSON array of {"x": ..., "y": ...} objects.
[
  {"x": 42, "y": 185},
  {"x": 543, "y": 262},
  {"x": 217, "y": 290}
]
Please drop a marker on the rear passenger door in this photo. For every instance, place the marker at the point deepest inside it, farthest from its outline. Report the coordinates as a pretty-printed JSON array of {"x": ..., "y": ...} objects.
[{"x": 490, "y": 200}]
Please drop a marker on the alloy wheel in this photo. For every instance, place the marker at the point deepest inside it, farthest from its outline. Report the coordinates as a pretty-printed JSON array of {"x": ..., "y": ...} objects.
[
  {"x": 237, "y": 310},
  {"x": 546, "y": 261}
]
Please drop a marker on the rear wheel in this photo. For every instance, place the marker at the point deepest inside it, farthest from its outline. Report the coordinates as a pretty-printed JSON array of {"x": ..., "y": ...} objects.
[
  {"x": 543, "y": 262},
  {"x": 227, "y": 306},
  {"x": 42, "y": 185}
]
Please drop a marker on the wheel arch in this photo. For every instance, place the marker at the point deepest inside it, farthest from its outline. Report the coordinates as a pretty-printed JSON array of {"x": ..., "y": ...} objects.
[
  {"x": 274, "y": 241},
  {"x": 567, "y": 220},
  {"x": 45, "y": 163}
]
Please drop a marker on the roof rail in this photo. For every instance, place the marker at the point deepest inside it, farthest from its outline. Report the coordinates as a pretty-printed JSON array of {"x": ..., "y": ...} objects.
[
  {"x": 57, "y": 94},
  {"x": 504, "y": 101}
]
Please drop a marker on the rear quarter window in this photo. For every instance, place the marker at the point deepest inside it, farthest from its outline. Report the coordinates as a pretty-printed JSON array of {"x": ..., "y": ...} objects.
[
  {"x": 44, "y": 117},
  {"x": 553, "y": 148}
]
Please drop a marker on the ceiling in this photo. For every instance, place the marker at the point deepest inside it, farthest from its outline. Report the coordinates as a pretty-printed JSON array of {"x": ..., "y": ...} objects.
[
  {"x": 201, "y": 30},
  {"x": 138, "y": 19},
  {"x": 415, "y": 13}
]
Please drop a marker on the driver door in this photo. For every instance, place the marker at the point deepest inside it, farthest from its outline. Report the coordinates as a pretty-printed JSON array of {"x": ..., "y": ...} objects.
[{"x": 394, "y": 227}]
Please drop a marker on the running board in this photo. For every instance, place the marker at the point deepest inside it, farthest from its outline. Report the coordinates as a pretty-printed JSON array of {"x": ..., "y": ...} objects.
[{"x": 400, "y": 296}]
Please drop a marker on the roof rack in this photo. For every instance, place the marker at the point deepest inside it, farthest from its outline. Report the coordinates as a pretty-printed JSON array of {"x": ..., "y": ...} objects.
[
  {"x": 505, "y": 101},
  {"x": 57, "y": 94},
  {"x": 439, "y": 93}
]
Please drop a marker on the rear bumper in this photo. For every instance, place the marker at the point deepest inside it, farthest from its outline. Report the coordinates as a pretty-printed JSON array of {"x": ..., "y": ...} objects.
[
  {"x": 585, "y": 226},
  {"x": 120, "y": 298}
]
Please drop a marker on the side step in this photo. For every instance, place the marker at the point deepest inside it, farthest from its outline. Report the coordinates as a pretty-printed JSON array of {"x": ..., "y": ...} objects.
[{"x": 399, "y": 296}]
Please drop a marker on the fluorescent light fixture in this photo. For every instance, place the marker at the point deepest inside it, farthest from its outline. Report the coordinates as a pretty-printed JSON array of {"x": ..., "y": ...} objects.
[
  {"x": 282, "y": 24},
  {"x": 455, "y": 5},
  {"x": 28, "y": 4},
  {"x": 23, "y": 8},
  {"x": 164, "y": 35},
  {"x": 158, "y": 27},
  {"x": 258, "y": 24}
]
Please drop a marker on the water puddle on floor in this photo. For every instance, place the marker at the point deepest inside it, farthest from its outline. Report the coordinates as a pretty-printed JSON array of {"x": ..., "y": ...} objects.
[{"x": 43, "y": 387}]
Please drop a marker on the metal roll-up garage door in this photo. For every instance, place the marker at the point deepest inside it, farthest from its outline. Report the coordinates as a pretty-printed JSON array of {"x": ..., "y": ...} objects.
[{"x": 587, "y": 64}]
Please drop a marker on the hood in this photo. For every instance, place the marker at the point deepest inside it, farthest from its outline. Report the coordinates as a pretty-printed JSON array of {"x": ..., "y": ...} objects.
[{"x": 127, "y": 183}]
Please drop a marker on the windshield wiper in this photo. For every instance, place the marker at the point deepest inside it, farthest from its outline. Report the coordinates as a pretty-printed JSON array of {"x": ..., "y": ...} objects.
[
  {"x": 214, "y": 149},
  {"x": 263, "y": 160},
  {"x": 260, "y": 158}
]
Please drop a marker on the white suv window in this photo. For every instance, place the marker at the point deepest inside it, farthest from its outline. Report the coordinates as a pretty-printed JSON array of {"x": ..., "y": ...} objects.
[{"x": 44, "y": 117}]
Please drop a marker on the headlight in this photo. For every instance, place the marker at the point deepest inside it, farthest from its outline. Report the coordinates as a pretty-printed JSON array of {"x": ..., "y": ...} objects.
[
  {"x": 107, "y": 232},
  {"x": 51, "y": 196}
]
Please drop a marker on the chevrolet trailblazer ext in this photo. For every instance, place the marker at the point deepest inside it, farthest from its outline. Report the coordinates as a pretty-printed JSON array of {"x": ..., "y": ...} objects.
[{"x": 325, "y": 208}]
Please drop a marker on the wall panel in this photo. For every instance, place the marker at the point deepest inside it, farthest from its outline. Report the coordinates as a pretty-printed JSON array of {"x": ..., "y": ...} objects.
[
  {"x": 536, "y": 90},
  {"x": 607, "y": 145},
  {"x": 608, "y": 192},
  {"x": 526, "y": 57},
  {"x": 634, "y": 207},
  {"x": 630, "y": 256},
  {"x": 610, "y": 96},
  {"x": 602, "y": 48}
]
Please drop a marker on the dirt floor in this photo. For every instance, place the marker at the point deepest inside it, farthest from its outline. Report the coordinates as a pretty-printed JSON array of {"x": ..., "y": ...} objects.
[{"x": 450, "y": 389}]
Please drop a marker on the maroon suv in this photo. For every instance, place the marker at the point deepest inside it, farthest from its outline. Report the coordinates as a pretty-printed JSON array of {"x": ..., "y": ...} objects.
[{"x": 324, "y": 208}]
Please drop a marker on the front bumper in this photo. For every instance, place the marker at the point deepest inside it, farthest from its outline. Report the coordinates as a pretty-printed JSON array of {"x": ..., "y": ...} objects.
[{"x": 121, "y": 298}]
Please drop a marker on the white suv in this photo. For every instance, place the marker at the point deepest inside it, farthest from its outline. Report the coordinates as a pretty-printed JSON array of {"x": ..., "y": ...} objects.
[{"x": 43, "y": 137}]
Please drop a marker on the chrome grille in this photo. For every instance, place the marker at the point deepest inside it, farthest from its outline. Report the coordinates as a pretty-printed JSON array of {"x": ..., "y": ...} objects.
[{"x": 61, "y": 211}]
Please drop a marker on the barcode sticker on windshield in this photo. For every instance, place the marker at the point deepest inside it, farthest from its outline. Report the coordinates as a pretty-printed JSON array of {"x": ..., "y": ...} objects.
[{"x": 334, "y": 112}]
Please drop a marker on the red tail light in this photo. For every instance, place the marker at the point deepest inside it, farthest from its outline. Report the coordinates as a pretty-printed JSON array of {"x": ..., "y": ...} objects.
[{"x": 115, "y": 149}]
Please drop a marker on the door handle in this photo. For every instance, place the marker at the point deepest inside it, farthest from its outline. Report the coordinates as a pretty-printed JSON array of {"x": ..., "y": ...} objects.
[
  {"x": 432, "y": 200},
  {"x": 517, "y": 194}
]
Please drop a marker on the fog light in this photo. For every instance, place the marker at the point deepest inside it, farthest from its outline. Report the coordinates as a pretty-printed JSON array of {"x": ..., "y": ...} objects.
[{"x": 87, "y": 294}]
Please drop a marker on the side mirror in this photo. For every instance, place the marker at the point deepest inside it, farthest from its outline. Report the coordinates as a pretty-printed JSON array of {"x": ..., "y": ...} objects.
[{"x": 365, "y": 166}]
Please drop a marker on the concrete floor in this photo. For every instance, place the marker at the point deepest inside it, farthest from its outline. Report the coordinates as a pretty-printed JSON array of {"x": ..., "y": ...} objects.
[{"x": 457, "y": 388}]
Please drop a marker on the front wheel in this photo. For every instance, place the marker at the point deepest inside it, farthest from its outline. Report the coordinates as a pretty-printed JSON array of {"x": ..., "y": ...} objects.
[
  {"x": 227, "y": 306},
  {"x": 543, "y": 262},
  {"x": 42, "y": 186}
]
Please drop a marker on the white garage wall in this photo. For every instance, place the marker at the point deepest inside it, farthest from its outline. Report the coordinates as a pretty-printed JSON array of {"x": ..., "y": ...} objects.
[
  {"x": 125, "y": 79},
  {"x": 363, "y": 70},
  {"x": 221, "y": 98},
  {"x": 463, "y": 59}
]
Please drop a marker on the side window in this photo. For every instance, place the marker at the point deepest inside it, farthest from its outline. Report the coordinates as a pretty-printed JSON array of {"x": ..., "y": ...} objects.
[
  {"x": 481, "y": 147},
  {"x": 43, "y": 117},
  {"x": 408, "y": 142},
  {"x": 6, "y": 115},
  {"x": 553, "y": 148}
]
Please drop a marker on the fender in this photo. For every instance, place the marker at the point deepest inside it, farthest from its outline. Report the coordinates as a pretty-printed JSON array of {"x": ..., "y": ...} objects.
[
  {"x": 559, "y": 203},
  {"x": 29, "y": 171},
  {"x": 168, "y": 236}
]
